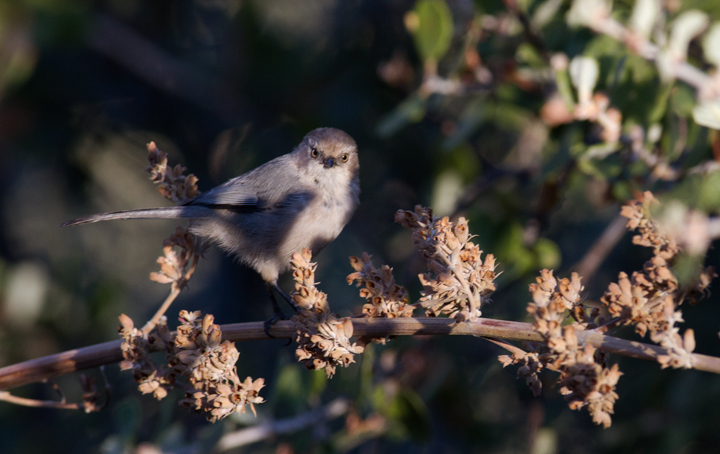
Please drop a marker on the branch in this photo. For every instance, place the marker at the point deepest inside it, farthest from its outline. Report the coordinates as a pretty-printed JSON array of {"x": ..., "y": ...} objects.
[
  {"x": 109, "y": 352},
  {"x": 601, "y": 248},
  {"x": 7, "y": 397},
  {"x": 269, "y": 429},
  {"x": 707, "y": 86}
]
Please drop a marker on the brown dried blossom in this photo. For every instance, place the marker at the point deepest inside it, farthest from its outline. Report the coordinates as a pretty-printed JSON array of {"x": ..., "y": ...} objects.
[
  {"x": 172, "y": 184},
  {"x": 136, "y": 348},
  {"x": 458, "y": 281},
  {"x": 195, "y": 353},
  {"x": 585, "y": 381},
  {"x": 384, "y": 297},
  {"x": 174, "y": 262},
  {"x": 638, "y": 214},
  {"x": 584, "y": 377},
  {"x": 700, "y": 290},
  {"x": 208, "y": 363},
  {"x": 530, "y": 365},
  {"x": 323, "y": 338},
  {"x": 649, "y": 298}
]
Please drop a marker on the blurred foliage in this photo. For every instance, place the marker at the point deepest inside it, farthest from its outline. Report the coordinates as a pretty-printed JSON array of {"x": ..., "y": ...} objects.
[
  {"x": 432, "y": 27},
  {"x": 472, "y": 107}
]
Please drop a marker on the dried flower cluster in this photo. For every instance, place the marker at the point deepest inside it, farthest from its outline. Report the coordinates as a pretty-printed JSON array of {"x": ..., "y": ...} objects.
[
  {"x": 196, "y": 353},
  {"x": 172, "y": 184},
  {"x": 649, "y": 298},
  {"x": 585, "y": 379},
  {"x": 458, "y": 281},
  {"x": 174, "y": 263},
  {"x": 182, "y": 250},
  {"x": 584, "y": 376},
  {"x": 136, "y": 348},
  {"x": 530, "y": 365},
  {"x": 384, "y": 297},
  {"x": 209, "y": 365},
  {"x": 323, "y": 338}
]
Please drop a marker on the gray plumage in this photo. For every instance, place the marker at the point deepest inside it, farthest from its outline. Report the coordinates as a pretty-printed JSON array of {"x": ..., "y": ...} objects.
[{"x": 301, "y": 199}]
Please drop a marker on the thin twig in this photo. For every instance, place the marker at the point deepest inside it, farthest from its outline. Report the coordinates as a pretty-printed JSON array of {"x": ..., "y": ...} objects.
[
  {"x": 150, "y": 325},
  {"x": 705, "y": 84},
  {"x": 268, "y": 429},
  {"x": 88, "y": 357},
  {"x": 601, "y": 248},
  {"x": 176, "y": 289},
  {"x": 25, "y": 402}
]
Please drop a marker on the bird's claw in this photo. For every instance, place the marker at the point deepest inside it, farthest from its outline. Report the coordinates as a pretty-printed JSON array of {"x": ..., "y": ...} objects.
[
  {"x": 270, "y": 322},
  {"x": 279, "y": 315}
]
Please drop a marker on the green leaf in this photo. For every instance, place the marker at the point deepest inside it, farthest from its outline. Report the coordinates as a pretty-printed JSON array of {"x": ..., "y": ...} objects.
[
  {"x": 406, "y": 412},
  {"x": 562, "y": 81},
  {"x": 699, "y": 192},
  {"x": 548, "y": 253},
  {"x": 291, "y": 389},
  {"x": 683, "y": 99},
  {"x": 622, "y": 190},
  {"x": 318, "y": 382},
  {"x": 432, "y": 28},
  {"x": 527, "y": 53},
  {"x": 687, "y": 268},
  {"x": 659, "y": 108},
  {"x": 603, "y": 169}
]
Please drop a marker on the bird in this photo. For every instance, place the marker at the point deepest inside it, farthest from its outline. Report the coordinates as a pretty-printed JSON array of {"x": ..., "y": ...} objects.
[{"x": 302, "y": 199}]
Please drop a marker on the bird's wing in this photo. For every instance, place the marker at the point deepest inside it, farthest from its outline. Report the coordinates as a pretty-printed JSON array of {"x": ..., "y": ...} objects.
[
  {"x": 236, "y": 195},
  {"x": 260, "y": 189}
]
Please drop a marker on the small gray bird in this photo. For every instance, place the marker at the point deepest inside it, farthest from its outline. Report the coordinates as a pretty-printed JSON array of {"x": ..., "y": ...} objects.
[{"x": 298, "y": 200}]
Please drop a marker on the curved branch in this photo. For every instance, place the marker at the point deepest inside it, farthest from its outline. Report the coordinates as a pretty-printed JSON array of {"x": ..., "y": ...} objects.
[{"x": 109, "y": 352}]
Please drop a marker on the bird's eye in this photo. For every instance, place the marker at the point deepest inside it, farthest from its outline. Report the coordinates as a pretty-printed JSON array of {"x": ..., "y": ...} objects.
[
  {"x": 344, "y": 158},
  {"x": 313, "y": 152}
]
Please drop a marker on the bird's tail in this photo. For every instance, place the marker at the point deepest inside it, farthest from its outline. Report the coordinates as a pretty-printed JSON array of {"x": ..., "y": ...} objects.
[{"x": 179, "y": 212}]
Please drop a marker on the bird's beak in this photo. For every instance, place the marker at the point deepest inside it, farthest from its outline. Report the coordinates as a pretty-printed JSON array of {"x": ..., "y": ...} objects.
[{"x": 328, "y": 163}]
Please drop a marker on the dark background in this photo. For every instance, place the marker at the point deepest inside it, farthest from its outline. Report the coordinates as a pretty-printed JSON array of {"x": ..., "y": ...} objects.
[{"x": 226, "y": 85}]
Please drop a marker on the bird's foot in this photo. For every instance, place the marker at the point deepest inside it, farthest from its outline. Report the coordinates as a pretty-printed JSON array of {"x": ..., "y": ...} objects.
[
  {"x": 270, "y": 322},
  {"x": 279, "y": 315}
]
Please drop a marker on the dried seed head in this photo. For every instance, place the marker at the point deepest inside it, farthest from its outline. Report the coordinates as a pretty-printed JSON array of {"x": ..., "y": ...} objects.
[
  {"x": 172, "y": 184},
  {"x": 649, "y": 299},
  {"x": 323, "y": 338},
  {"x": 384, "y": 297},
  {"x": 458, "y": 281},
  {"x": 195, "y": 353}
]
